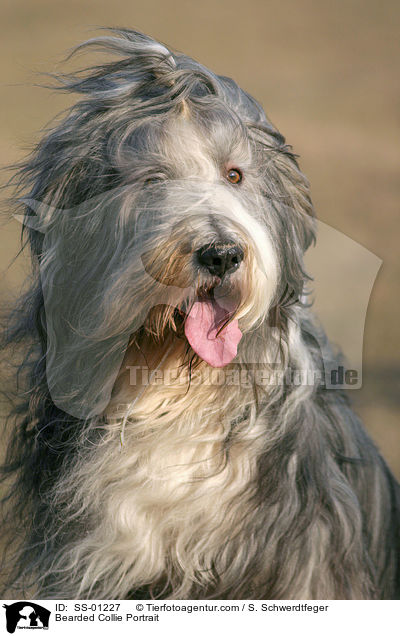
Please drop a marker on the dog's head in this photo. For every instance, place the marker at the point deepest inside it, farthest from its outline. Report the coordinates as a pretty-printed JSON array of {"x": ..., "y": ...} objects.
[{"x": 166, "y": 203}]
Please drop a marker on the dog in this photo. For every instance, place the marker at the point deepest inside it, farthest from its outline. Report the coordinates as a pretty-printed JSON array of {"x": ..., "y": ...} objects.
[{"x": 168, "y": 442}]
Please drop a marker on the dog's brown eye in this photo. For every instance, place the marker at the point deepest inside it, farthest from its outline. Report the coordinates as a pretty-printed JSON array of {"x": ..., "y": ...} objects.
[{"x": 234, "y": 175}]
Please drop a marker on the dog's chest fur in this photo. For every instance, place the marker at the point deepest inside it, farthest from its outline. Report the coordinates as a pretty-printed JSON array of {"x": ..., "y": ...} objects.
[{"x": 178, "y": 488}]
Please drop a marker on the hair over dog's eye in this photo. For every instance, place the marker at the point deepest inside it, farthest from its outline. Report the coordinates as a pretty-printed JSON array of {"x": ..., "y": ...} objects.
[{"x": 234, "y": 175}]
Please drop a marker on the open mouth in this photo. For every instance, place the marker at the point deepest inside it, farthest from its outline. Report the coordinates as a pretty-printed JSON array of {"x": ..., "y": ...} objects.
[{"x": 211, "y": 330}]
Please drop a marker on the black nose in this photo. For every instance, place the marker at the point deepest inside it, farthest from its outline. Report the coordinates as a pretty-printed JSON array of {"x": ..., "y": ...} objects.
[{"x": 219, "y": 258}]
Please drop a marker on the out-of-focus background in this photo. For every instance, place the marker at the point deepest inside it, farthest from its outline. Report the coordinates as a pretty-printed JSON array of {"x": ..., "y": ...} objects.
[{"x": 327, "y": 74}]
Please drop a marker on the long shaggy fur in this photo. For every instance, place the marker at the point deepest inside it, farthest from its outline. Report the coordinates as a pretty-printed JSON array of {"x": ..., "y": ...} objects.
[{"x": 189, "y": 488}]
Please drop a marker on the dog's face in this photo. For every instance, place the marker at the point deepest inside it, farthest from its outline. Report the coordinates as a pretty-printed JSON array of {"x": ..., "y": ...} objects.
[
  {"x": 175, "y": 208},
  {"x": 201, "y": 232}
]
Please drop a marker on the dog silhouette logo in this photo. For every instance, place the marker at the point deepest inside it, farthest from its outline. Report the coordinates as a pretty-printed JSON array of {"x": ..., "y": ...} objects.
[{"x": 26, "y": 615}]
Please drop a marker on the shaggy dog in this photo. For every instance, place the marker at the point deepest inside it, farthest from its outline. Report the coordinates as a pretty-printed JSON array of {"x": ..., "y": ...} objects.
[{"x": 169, "y": 441}]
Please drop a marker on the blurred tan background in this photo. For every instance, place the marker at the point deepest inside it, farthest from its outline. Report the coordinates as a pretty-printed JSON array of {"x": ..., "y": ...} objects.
[{"x": 327, "y": 74}]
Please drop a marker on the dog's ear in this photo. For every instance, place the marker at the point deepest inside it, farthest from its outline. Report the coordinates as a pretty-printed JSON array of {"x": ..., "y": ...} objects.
[
  {"x": 71, "y": 188},
  {"x": 289, "y": 214},
  {"x": 283, "y": 183},
  {"x": 295, "y": 215},
  {"x": 292, "y": 194}
]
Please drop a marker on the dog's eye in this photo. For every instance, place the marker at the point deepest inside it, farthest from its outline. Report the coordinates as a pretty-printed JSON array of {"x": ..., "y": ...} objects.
[
  {"x": 153, "y": 181},
  {"x": 234, "y": 175}
]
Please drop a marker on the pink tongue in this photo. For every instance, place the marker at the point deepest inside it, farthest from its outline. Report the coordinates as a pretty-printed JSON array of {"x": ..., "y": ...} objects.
[{"x": 201, "y": 328}]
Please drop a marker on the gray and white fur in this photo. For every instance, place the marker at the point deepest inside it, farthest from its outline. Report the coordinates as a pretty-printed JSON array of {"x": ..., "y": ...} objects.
[{"x": 186, "y": 489}]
